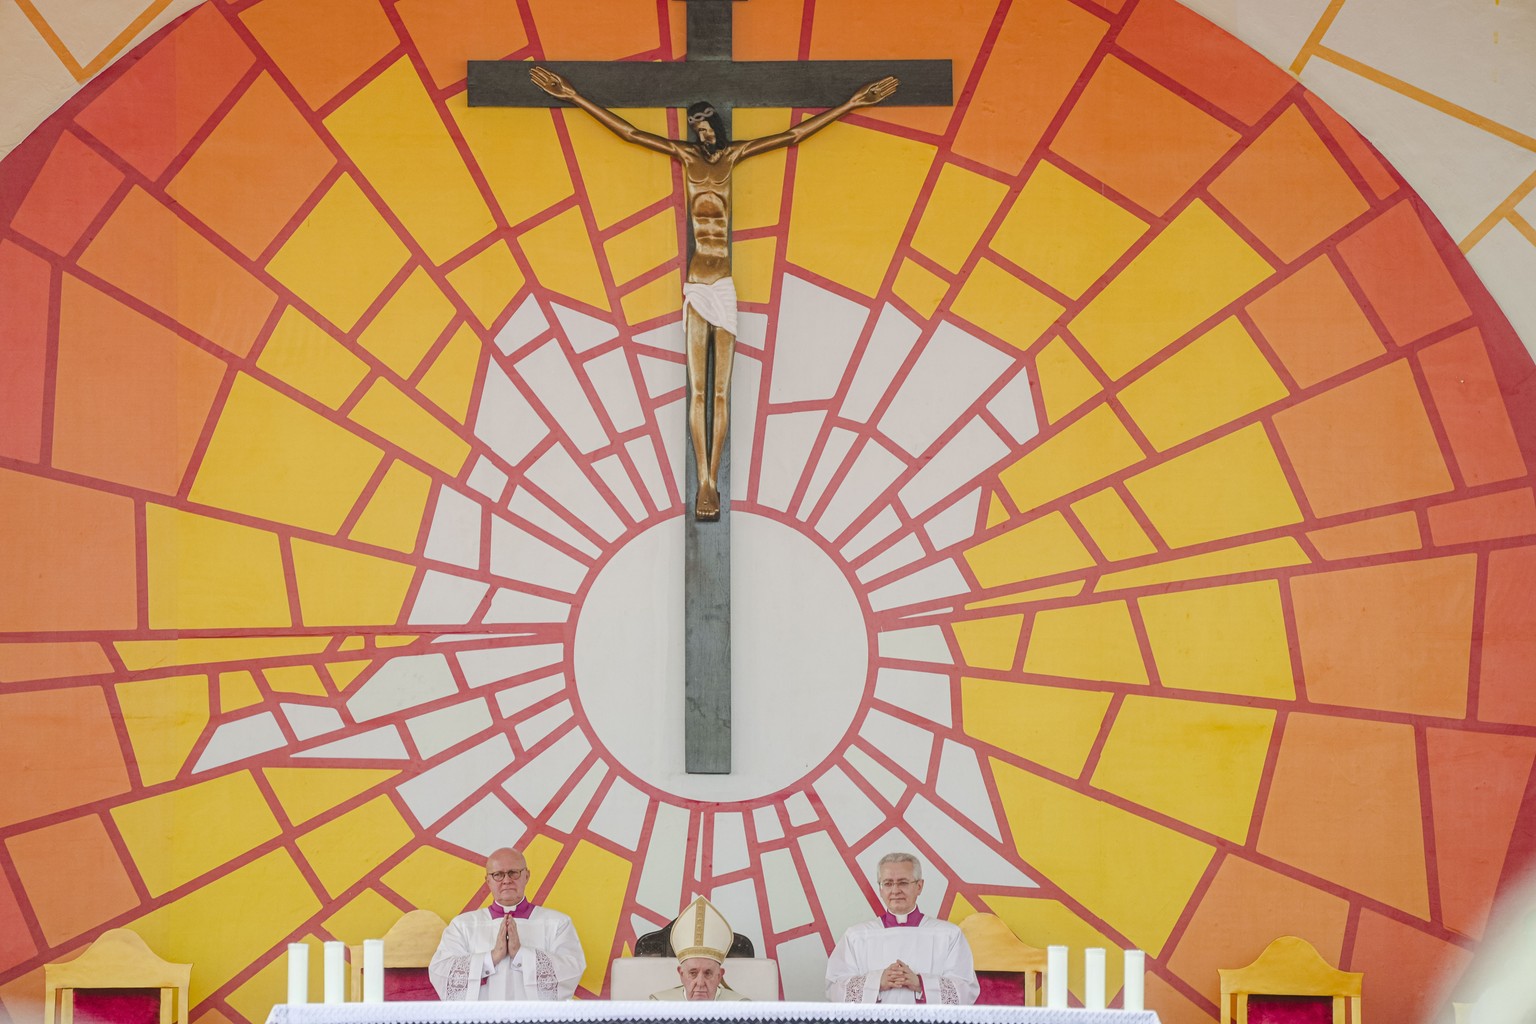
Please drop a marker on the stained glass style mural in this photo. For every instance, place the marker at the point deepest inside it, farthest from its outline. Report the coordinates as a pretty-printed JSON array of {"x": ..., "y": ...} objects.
[{"x": 1130, "y": 503}]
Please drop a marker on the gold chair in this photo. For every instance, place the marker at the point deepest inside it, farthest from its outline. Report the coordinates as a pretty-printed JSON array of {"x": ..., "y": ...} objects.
[
  {"x": 1290, "y": 967},
  {"x": 118, "y": 959},
  {"x": 408, "y": 948},
  {"x": 1011, "y": 972}
]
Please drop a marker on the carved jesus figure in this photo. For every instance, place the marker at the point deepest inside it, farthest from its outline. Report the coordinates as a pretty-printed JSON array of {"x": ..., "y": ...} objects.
[{"x": 709, "y": 296}]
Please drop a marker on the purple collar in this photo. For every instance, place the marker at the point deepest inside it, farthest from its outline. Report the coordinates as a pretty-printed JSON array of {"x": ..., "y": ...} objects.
[
  {"x": 891, "y": 921},
  {"x": 523, "y": 910}
]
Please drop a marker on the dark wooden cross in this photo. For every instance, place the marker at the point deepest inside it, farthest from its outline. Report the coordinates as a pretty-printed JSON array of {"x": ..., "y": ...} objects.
[{"x": 710, "y": 73}]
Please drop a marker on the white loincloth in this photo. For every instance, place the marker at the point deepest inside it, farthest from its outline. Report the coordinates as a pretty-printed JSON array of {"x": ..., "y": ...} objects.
[{"x": 716, "y": 303}]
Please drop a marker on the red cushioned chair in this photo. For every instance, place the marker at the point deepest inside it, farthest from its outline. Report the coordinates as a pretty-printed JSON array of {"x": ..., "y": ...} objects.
[
  {"x": 1011, "y": 972},
  {"x": 117, "y": 980},
  {"x": 408, "y": 948},
  {"x": 1290, "y": 984}
]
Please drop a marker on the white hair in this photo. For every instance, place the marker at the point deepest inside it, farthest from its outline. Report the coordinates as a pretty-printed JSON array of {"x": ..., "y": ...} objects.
[{"x": 901, "y": 857}]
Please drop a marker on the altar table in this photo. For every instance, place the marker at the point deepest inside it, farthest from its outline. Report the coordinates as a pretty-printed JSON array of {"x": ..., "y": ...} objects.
[{"x": 600, "y": 1012}]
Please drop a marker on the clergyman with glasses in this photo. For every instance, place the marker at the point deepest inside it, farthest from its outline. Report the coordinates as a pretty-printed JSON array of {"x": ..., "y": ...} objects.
[
  {"x": 902, "y": 956},
  {"x": 511, "y": 949}
]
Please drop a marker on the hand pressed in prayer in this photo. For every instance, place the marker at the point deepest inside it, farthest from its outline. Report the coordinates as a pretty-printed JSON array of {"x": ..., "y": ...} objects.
[
  {"x": 508, "y": 942},
  {"x": 514, "y": 940},
  {"x": 898, "y": 975}
]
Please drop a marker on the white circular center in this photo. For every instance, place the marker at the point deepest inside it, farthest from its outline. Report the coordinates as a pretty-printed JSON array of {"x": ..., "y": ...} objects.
[{"x": 799, "y": 659}]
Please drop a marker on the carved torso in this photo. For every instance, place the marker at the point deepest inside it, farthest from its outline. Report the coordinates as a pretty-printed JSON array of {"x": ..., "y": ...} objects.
[{"x": 707, "y": 192}]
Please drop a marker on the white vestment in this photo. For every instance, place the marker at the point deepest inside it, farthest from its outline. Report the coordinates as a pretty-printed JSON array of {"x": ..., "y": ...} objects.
[
  {"x": 715, "y": 302},
  {"x": 548, "y": 966},
  {"x": 680, "y": 994},
  {"x": 936, "y": 950}
]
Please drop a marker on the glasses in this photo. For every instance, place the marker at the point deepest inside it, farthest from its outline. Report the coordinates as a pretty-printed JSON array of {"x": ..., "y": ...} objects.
[
  {"x": 898, "y": 883},
  {"x": 502, "y": 876}
]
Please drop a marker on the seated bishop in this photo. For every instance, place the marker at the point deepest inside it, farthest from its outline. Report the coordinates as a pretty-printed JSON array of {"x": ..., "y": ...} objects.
[
  {"x": 511, "y": 950},
  {"x": 702, "y": 939},
  {"x": 902, "y": 956}
]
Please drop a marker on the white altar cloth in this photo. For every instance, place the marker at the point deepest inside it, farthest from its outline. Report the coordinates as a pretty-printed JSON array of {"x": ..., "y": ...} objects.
[{"x": 603, "y": 1012}]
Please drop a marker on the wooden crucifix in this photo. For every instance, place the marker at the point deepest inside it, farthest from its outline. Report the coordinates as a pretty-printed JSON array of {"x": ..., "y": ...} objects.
[{"x": 710, "y": 83}]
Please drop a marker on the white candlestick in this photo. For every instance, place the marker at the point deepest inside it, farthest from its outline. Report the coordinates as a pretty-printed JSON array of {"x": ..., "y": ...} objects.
[
  {"x": 298, "y": 973},
  {"x": 1135, "y": 980},
  {"x": 1093, "y": 979},
  {"x": 373, "y": 970},
  {"x": 1056, "y": 977},
  {"x": 335, "y": 973}
]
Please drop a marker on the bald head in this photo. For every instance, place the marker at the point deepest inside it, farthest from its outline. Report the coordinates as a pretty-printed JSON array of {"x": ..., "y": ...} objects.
[{"x": 506, "y": 876}]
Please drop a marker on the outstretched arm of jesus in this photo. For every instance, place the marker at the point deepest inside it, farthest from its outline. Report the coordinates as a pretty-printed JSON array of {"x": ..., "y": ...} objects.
[
  {"x": 560, "y": 89},
  {"x": 868, "y": 96}
]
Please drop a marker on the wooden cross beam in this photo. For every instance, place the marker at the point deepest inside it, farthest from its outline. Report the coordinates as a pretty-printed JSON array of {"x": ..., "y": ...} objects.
[{"x": 709, "y": 72}]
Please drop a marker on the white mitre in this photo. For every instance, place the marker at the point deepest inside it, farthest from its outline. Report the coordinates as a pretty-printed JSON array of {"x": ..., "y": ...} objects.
[{"x": 701, "y": 930}]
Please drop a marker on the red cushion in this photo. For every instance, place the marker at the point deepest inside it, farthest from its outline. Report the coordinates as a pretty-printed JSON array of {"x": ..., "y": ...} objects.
[
  {"x": 117, "y": 1006},
  {"x": 408, "y": 984},
  {"x": 1001, "y": 988},
  {"x": 1290, "y": 1010}
]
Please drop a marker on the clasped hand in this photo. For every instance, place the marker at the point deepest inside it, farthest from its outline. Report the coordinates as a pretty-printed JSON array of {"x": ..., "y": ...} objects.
[
  {"x": 899, "y": 975},
  {"x": 508, "y": 942}
]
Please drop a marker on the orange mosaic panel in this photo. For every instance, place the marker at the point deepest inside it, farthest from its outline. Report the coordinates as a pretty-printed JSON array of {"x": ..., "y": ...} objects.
[
  {"x": 1343, "y": 791},
  {"x": 1139, "y": 138},
  {"x": 66, "y": 903},
  {"x": 1378, "y": 176},
  {"x": 1460, "y": 765},
  {"x": 306, "y": 473},
  {"x": 595, "y": 29},
  {"x": 1246, "y": 906},
  {"x": 321, "y": 49},
  {"x": 1509, "y": 640},
  {"x": 1314, "y": 324},
  {"x": 69, "y": 192},
  {"x": 444, "y": 31},
  {"x": 149, "y": 112},
  {"x": 1406, "y": 964},
  {"x": 71, "y": 559},
  {"x": 155, "y": 256},
  {"x": 1197, "y": 54},
  {"x": 249, "y": 177},
  {"x": 1394, "y": 637},
  {"x": 1403, "y": 274},
  {"x": 1487, "y": 517},
  {"x": 1332, "y": 440},
  {"x": 1471, "y": 406},
  {"x": 24, "y": 280},
  {"x": 69, "y": 745},
  {"x": 854, "y": 29},
  {"x": 131, "y": 397},
  {"x": 16, "y": 943},
  {"x": 1054, "y": 40},
  {"x": 24, "y": 661},
  {"x": 1287, "y": 188}
]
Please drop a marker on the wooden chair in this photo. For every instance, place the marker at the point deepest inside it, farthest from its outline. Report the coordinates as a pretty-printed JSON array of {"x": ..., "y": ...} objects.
[
  {"x": 408, "y": 948},
  {"x": 1011, "y": 972},
  {"x": 1289, "y": 982},
  {"x": 118, "y": 968}
]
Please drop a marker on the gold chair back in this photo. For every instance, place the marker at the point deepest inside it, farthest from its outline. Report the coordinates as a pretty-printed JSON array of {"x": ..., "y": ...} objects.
[
  {"x": 1289, "y": 966},
  {"x": 117, "y": 959}
]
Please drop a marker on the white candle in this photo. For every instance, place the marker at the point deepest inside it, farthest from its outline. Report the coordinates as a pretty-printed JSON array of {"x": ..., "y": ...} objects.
[
  {"x": 298, "y": 973},
  {"x": 373, "y": 970},
  {"x": 1093, "y": 979},
  {"x": 1135, "y": 980},
  {"x": 335, "y": 972},
  {"x": 1056, "y": 977}
]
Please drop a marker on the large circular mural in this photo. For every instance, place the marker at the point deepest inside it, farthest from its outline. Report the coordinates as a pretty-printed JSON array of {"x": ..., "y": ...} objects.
[{"x": 1130, "y": 506}]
